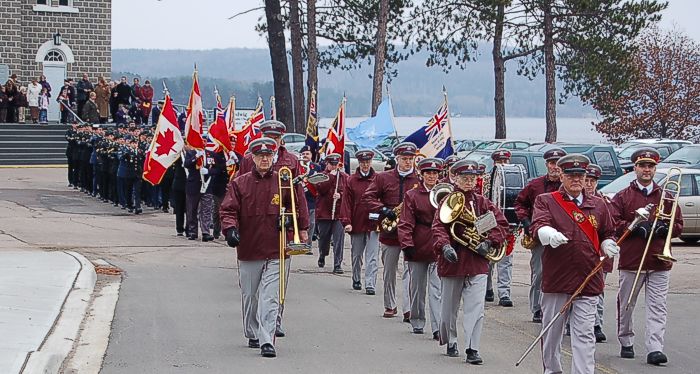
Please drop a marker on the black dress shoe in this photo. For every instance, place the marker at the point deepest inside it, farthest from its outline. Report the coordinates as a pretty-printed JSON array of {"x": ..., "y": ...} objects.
[
  {"x": 338, "y": 270},
  {"x": 452, "y": 350},
  {"x": 505, "y": 301},
  {"x": 537, "y": 317},
  {"x": 253, "y": 343},
  {"x": 138, "y": 211},
  {"x": 267, "y": 350},
  {"x": 207, "y": 238},
  {"x": 436, "y": 335},
  {"x": 322, "y": 262},
  {"x": 180, "y": 234},
  {"x": 656, "y": 358},
  {"x": 131, "y": 210},
  {"x": 407, "y": 317},
  {"x": 599, "y": 335},
  {"x": 217, "y": 234},
  {"x": 627, "y": 352},
  {"x": 356, "y": 285},
  {"x": 489, "y": 295},
  {"x": 279, "y": 332},
  {"x": 418, "y": 330},
  {"x": 370, "y": 291},
  {"x": 473, "y": 357},
  {"x": 192, "y": 237}
]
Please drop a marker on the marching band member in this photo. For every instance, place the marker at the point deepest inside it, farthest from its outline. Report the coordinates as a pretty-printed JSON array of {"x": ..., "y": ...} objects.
[
  {"x": 249, "y": 219},
  {"x": 309, "y": 189},
  {"x": 523, "y": 209},
  {"x": 417, "y": 244},
  {"x": 364, "y": 237},
  {"x": 576, "y": 229},
  {"x": 504, "y": 268},
  {"x": 330, "y": 194},
  {"x": 593, "y": 173},
  {"x": 655, "y": 272},
  {"x": 462, "y": 270},
  {"x": 446, "y": 176},
  {"x": 385, "y": 193},
  {"x": 274, "y": 130}
]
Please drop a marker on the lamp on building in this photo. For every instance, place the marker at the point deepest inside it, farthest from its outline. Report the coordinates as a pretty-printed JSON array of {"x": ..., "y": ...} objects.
[{"x": 57, "y": 38}]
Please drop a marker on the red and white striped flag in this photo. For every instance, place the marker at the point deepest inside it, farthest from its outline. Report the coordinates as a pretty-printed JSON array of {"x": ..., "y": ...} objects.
[
  {"x": 195, "y": 116},
  {"x": 165, "y": 147}
]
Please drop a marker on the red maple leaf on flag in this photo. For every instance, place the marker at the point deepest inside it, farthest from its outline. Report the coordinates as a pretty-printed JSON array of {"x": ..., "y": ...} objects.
[{"x": 165, "y": 142}]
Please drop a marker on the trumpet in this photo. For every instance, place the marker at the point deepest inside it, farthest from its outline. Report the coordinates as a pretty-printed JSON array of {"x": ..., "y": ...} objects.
[
  {"x": 296, "y": 246},
  {"x": 454, "y": 212},
  {"x": 670, "y": 192}
]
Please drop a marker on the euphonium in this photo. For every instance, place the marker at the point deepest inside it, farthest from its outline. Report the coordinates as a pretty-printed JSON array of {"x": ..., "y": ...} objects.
[
  {"x": 454, "y": 212},
  {"x": 389, "y": 225},
  {"x": 439, "y": 192}
]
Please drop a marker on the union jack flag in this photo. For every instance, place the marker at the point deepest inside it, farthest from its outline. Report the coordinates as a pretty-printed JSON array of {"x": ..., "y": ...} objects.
[{"x": 436, "y": 123}]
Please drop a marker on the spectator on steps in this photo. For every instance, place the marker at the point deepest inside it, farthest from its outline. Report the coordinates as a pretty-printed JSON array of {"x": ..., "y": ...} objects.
[{"x": 33, "y": 93}]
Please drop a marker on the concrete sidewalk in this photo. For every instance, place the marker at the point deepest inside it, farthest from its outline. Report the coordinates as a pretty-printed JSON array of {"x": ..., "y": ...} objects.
[{"x": 35, "y": 286}]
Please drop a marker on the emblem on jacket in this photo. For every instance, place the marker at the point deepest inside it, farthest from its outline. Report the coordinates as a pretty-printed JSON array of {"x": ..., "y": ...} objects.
[
  {"x": 275, "y": 199},
  {"x": 594, "y": 221},
  {"x": 579, "y": 217}
]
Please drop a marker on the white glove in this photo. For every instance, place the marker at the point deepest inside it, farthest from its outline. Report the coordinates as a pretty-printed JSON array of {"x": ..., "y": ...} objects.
[
  {"x": 230, "y": 162},
  {"x": 550, "y": 236},
  {"x": 610, "y": 248},
  {"x": 199, "y": 153},
  {"x": 204, "y": 171}
]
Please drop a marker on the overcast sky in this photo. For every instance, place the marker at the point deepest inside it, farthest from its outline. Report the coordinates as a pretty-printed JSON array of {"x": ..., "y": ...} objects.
[{"x": 204, "y": 24}]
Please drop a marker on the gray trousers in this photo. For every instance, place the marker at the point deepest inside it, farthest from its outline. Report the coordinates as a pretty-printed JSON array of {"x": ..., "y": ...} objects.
[
  {"x": 328, "y": 230},
  {"x": 365, "y": 244},
  {"x": 206, "y": 207},
  {"x": 312, "y": 225},
  {"x": 536, "y": 279},
  {"x": 581, "y": 319},
  {"x": 655, "y": 285},
  {"x": 259, "y": 282},
  {"x": 472, "y": 291},
  {"x": 601, "y": 306},
  {"x": 216, "y": 220},
  {"x": 390, "y": 260},
  {"x": 422, "y": 274},
  {"x": 504, "y": 276}
]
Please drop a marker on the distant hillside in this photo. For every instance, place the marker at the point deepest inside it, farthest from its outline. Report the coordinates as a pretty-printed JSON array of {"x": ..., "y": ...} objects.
[{"x": 416, "y": 90}]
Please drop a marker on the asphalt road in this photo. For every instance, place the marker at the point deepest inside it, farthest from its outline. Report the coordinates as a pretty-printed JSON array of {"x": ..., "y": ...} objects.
[{"x": 179, "y": 305}]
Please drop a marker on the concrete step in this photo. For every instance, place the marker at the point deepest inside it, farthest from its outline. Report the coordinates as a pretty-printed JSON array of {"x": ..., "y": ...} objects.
[
  {"x": 8, "y": 156},
  {"x": 29, "y": 149},
  {"x": 42, "y": 161}
]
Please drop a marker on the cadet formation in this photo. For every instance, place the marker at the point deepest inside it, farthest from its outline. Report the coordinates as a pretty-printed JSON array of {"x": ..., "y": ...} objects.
[{"x": 437, "y": 226}]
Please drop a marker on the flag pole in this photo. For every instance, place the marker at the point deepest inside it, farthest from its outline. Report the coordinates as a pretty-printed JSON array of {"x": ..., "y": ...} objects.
[{"x": 449, "y": 119}]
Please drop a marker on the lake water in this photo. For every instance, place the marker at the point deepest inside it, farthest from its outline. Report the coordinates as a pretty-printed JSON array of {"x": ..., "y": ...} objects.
[{"x": 579, "y": 130}]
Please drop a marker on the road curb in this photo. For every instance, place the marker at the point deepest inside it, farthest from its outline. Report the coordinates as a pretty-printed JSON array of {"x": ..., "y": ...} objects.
[{"x": 59, "y": 340}]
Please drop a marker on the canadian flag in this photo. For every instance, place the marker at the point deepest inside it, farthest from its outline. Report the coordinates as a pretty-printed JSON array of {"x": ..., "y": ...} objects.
[
  {"x": 195, "y": 117},
  {"x": 251, "y": 129},
  {"x": 165, "y": 147}
]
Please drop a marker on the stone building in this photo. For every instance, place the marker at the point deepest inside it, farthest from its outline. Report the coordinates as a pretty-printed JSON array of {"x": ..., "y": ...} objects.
[{"x": 56, "y": 38}]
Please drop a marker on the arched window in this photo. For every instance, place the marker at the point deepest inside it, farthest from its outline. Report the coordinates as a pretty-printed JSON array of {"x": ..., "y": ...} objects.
[{"x": 54, "y": 56}]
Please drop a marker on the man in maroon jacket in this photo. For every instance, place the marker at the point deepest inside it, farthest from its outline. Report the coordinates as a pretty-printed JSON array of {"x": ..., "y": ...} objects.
[
  {"x": 575, "y": 229},
  {"x": 364, "y": 237},
  {"x": 250, "y": 220},
  {"x": 524, "y": 204},
  {"x": 417, "y": 245},
  {"x": 330, "y": 195},
  {"x": 655, "y": 271},
  {"x": 385, "y": 193},
  {"x": 463, "y": 270},
  {"x": 274, "y": 130}
]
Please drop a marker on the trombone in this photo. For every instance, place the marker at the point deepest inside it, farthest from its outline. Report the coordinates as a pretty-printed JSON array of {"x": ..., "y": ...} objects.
[
  {"x": 296, "y": 246},
  {"x": 670, "y": 193}
]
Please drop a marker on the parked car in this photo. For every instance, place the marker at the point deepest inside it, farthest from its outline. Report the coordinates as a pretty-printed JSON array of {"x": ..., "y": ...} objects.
[
  {"x": 674, "y": 144},
  {"x": 293, "y": 138},
  {"x": 379, "y": 162},
  {"x": 688, "y": 157},
  {"x": 624, "y": 157},
  {"x": 463, "y": 147},
  {"x": 688, "y": 200},
  {"x": 533, "y": 162},
  {"x": 600, "y": 154},
  {"x": 492, "y": 145},
  {"x": 387, "y": 145}
]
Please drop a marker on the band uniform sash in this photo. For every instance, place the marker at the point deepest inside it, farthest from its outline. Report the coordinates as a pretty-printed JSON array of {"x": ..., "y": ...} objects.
[{"x": 576, "y": 214}]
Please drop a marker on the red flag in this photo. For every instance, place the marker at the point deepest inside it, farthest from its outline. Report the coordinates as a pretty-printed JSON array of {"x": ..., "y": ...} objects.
[
  {"x": 251, "y": 130},
  {"x": 195, "y": 117},
  {"x": 218, "y": 131},
  {"x": 335, "y": 140},
  {"x": 165, "y": 147}
]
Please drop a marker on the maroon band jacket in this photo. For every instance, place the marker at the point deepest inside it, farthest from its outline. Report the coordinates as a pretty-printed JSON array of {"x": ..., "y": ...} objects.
[
  {"x": 469, "y": 262},
  {"x": 284, "y": 158},
  {"x": 525, "y": 201},
  {"x": 252, "y": 204},
  {"x": 415, "y": 226},
  {"x": 623, "y": 206},
  {"x": 352, "y": 211},
  {"x": 388, "y": 190},
  {"x": 564, "y": 268},
  {"x": 324, "y": 200}
]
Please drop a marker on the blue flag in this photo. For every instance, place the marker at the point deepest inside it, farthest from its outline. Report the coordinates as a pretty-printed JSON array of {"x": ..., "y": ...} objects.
[
  {"x": 372, "y": 131},
  {"x": 435, "y": 138}
]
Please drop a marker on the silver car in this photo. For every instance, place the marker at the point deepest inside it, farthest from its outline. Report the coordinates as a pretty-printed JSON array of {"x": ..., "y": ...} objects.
[{"x": 688, "y": 201}]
